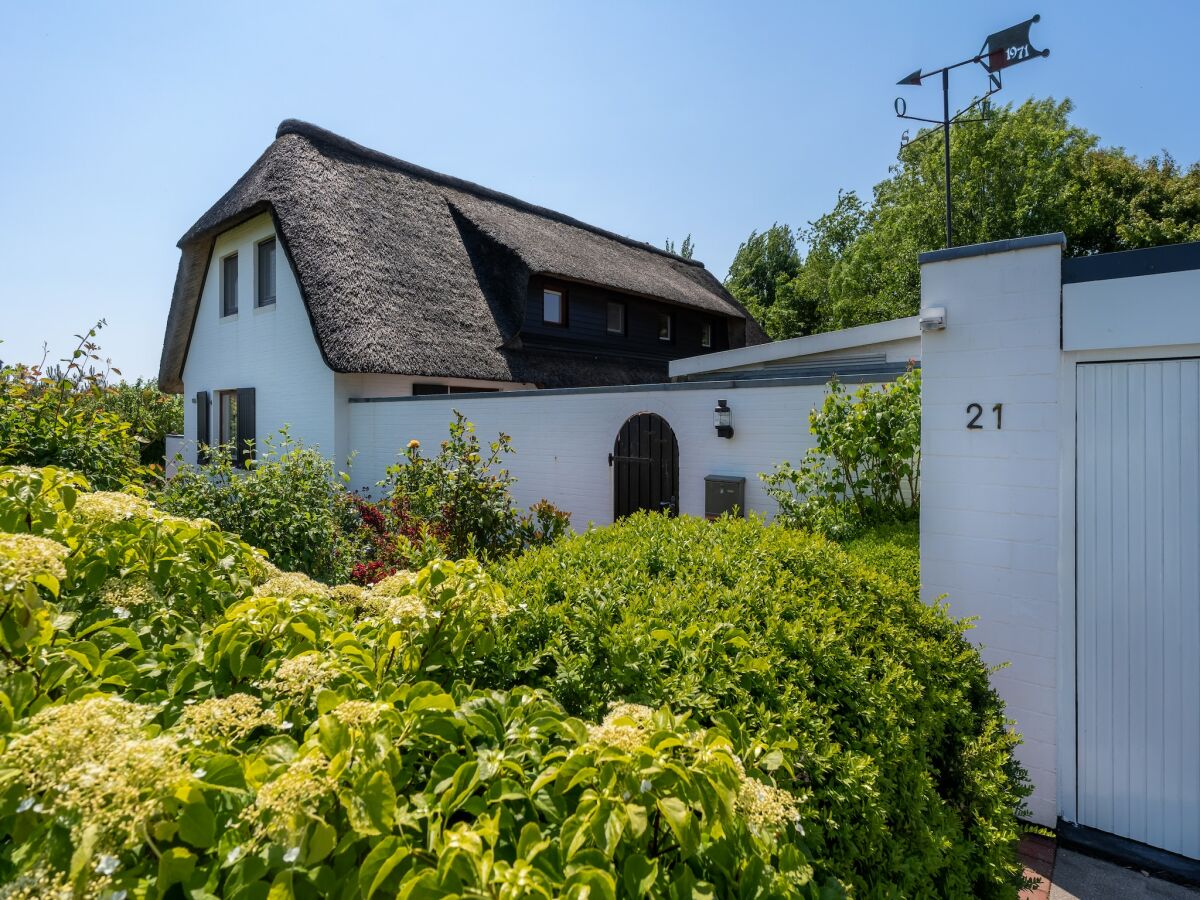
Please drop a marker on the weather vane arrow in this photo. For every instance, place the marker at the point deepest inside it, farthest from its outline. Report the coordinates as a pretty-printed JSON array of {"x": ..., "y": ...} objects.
[{"x": 1001, "y": 50}]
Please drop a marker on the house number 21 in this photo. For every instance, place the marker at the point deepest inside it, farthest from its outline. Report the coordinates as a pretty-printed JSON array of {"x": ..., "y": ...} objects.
[{"x": 975, "y": 411}]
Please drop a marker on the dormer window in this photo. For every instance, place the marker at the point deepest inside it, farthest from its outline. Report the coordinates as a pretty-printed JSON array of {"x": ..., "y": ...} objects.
[
  {"x": 264, "y": 265},
  {"x": 616, "y": 317},
  {"x": 229, "y": 285},
  {"x": 706, "y": 335},
  {"x": 554, "y": 307},
  {"x": 666, "y": 330}
]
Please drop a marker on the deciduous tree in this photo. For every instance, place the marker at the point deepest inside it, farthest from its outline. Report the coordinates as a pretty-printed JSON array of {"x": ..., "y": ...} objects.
[{"x": 1028, "y": 170}]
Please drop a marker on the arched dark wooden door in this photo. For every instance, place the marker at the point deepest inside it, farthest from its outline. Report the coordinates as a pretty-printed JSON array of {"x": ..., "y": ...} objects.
[{"x": 645, "y": 462}]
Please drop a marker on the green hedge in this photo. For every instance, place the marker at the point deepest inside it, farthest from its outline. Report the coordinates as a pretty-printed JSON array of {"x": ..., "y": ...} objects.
[
  {"x": 180, "y": 719},
  {"x": 872, "y": 705},
  {"x": 894, "y": 550}
]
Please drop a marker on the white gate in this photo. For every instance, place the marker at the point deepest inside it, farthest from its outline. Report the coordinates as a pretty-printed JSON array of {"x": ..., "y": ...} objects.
[{"x": 1138, "y": 601}]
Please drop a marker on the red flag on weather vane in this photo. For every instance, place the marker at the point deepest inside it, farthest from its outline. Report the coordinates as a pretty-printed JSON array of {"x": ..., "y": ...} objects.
[{"x": 1009, "y": 47}]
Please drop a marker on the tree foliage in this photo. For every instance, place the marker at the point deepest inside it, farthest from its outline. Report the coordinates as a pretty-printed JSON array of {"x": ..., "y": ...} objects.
[
  {"x": 57, "y": 415},
  {"x": 151, "y": 414},
  {"x": 687, "y": 249},
  {"x": 1029, "y": 170},
  {"x": 866, "y": 467},
  {"x": 290, "y": 502}
]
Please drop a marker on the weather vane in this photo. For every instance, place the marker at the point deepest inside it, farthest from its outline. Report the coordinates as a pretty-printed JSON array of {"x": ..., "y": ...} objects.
[{"x": 1000, "y": 51}]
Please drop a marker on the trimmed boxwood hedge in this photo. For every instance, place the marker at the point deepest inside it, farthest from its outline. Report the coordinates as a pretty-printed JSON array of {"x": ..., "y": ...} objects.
[
  {"x": 871, "y": 704},
  {"x": 893, "y": 550}
]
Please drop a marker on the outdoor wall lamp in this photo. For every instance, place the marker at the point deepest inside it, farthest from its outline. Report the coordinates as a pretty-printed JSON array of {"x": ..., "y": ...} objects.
[
  {"x": 723, "y": 419},
  {"x": 933, "y": 318}
]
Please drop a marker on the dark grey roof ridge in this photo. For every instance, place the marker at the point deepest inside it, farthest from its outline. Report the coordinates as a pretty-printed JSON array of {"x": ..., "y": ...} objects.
[{"x": 1003, "y": 246}]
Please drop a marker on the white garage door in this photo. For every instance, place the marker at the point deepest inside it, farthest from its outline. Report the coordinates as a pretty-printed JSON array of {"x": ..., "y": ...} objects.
[{"x": 1138, "y": 601}]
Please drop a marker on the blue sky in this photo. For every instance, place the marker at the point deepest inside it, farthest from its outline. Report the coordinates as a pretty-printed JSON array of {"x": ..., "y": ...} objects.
[{"x": 123, "y": 122}]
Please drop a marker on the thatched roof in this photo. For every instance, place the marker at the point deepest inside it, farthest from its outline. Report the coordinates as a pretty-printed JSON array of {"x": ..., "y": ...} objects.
[{"x": 404, "y": 270}]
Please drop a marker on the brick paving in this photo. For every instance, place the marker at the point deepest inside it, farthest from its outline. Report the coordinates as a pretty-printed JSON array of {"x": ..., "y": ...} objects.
[{"x": 1037, "y": 855}]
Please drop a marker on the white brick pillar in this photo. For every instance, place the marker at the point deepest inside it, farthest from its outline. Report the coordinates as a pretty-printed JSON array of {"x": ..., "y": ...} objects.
[{"x": 990, "y": 493}]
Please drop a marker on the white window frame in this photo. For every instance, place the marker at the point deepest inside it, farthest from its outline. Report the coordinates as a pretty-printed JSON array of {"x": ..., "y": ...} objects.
[
  {"x": 561, "y": 321},
  {"x": 670, "y": 335},
  {"x": 222, "y": 281},
  {"x": 259, "y": 302},
  {"x": 624, "y": 310}
]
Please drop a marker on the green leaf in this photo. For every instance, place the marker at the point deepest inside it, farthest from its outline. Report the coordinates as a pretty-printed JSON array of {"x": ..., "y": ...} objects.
[
  {"x": 466, "y": 777},
  {"x": 639, "y": 875},
  {"x": 638, "y": 818},
  {"x": 376, "y": 869},
  {"x": 681, "y": 821},
  {"x": 175, "y": 866},
  {"x": 321, "y": 841},
  {"x": 197, "y": 825},
  {"x": 591, "y": 882},
  {"x": 531, "y": 842}
]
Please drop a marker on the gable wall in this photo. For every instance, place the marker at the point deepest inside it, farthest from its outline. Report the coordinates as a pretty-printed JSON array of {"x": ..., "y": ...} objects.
[{"x": 271, "y": 349}]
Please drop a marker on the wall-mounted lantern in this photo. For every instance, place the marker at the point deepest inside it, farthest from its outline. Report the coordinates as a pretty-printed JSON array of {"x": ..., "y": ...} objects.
[
  {"x": 723, "y": 419},
  {"x": 933, "y": 318}
]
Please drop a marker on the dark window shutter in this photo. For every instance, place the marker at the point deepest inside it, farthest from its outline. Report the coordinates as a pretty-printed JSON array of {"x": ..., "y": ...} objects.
[
  {"x": 245, "y": 426},
  {"x": 203, "y": 418}
]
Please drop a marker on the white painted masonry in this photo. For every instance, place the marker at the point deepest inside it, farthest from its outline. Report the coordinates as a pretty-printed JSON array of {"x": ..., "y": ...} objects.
[
  {"x": 562, "y": 438},
  {"x": 999, "y": 507},
  {"x": 271, "y": 349},
  {"x": 1140, "y": 311},
  {"x": 990, "y": 498},
  {"x": 898, "y": 340}
]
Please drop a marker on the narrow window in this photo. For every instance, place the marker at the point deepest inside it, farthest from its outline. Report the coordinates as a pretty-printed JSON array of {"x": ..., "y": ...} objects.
[
  {"x": 229, "y": 285},
  {"x": 424, "y": 389},
  {"x": 706, "y": 334},
  {"x": 227, "y": 423},
  {"x": 616, "y": 317},
  {"x": 554, "y": 308},
  {"x": 265, "y": 265},
  {"x": 665, "y": 331}
]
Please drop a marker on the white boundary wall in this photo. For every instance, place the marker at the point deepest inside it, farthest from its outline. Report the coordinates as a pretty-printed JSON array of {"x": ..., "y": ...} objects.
[
  {"x": 998, "y": 505},
  {"x": 990, "y": 497},
  {"x": 563, "y": 439}
]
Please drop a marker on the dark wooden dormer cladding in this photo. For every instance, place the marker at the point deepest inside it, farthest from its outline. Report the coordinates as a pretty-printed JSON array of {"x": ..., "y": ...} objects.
[{"x": 587, "y": 324}]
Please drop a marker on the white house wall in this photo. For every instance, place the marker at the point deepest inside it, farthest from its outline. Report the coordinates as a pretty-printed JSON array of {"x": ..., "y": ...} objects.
[
  {"x": 374, "y": 385},
  {"x": 1139, "y": 311},
  {"x": 562, "y": 439},
  {"x": 271, "y": 349}
]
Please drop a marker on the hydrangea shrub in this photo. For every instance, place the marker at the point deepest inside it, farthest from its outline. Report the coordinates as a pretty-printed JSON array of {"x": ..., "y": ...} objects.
[{"x": 178, "y": 717}]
